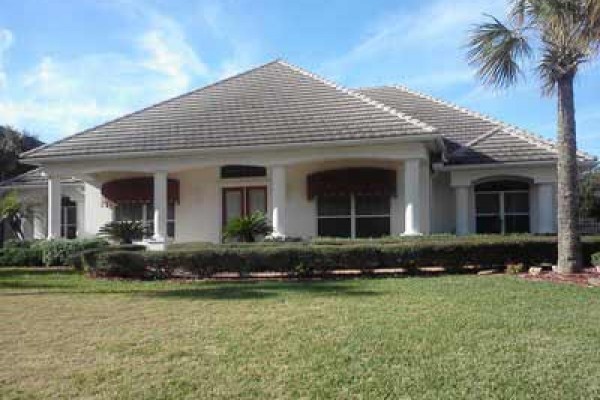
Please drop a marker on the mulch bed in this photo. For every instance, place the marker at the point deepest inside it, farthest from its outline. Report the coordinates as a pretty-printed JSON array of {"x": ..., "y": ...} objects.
[{"x": 589, "y": 277}]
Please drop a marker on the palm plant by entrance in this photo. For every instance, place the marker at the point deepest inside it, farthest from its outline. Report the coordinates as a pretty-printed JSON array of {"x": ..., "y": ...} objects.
[{"x": 560, "y": 36}]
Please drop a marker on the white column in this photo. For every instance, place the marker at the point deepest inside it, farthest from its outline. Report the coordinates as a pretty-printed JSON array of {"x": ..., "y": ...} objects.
[
  {"x": 545, "y": 205},
  {"x": 412, "y": 197},
  {"x": 462, "y": 210},
  {"x": 54, "y": 207},
  {"x": 278, "y": 187},
  {"x": 160, "y": 206}
]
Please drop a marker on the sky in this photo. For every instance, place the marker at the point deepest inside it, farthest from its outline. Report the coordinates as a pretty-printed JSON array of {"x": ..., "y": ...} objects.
[{"x": 69, "y": 65}]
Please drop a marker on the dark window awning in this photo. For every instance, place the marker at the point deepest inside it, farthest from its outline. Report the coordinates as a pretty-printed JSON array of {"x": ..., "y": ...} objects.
[
  {"x": 362, "y": 181},
  {"x": 137, "y": 190}
]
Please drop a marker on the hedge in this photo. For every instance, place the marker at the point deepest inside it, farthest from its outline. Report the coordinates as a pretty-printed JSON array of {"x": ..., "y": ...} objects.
[
  {"x": 56, "y": 252},
  {"x": 308, "y": 259},
  {"x": 87, "y": 260},
  {"x": 20, "y": 257}
]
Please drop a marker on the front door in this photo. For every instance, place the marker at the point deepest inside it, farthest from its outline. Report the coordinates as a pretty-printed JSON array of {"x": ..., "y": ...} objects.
[{"x": 243, "y": 201}]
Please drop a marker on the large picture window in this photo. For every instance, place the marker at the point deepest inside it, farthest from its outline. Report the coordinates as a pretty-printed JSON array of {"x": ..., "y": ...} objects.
[
  {"x": 502, "y": 207},
  {"x": 353, "y": 216},
  {"x": 144, "y": 213}
]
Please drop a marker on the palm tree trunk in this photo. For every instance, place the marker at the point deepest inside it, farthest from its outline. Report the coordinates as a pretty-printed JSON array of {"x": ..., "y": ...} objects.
[{"x": 569, "y": 258}]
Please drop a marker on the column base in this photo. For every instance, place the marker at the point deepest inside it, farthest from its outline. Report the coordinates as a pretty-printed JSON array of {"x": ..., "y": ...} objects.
[
  {"x": 155, "y": 244},
  {"x": 412, "y": 234}
]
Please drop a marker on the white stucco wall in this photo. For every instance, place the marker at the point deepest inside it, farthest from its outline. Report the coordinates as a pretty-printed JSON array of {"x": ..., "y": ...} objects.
[{"x": 443, "y": 206}]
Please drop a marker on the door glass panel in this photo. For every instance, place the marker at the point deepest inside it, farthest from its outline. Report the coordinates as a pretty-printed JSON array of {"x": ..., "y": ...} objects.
[
  {"x": 516, "y": 202},
  {"x": 372, "y": 227},
  {"x": 487, "y": 203},
  {"x": 233, "y": 204},
  {"x": 335, "y": 227},
  {"x": 333, "y": 205},
  {"x": 257, "y": 200},
  {"x": 372, "y": 205}
]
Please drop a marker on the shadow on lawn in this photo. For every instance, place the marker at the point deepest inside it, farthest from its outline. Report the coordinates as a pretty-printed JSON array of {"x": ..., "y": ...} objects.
[
  {"x": 251, "y": 290},
  {"x": 42, "y": 282}
]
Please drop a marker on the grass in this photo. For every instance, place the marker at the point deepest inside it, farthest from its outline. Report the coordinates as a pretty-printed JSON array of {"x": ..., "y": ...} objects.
[{"x": 66, "y": 336}]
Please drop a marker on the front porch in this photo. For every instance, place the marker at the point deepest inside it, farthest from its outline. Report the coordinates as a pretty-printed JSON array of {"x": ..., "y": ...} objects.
[{"x": 345, "y": 191}]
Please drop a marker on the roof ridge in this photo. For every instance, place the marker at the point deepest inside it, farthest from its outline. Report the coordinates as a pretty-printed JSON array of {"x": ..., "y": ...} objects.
[
  {"x": 188, "y": 93},
  {"x": 480, "y": 138},
  {"x": 506, "y": 127},
  {"x": 414, "y": 121}
]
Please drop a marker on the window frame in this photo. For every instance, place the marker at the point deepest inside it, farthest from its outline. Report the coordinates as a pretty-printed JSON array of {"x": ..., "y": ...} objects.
[
  {"x": 502, "y": 214},
  {"x": 353, "y": 215},
  {"x": 244, "y": 199},
  {"x": 148, "y": 221},
  {"x": 65, "y": 224}
]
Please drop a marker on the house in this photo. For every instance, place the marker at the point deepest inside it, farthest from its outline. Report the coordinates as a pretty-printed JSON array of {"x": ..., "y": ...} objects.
[{"x": 318, "y": 158}]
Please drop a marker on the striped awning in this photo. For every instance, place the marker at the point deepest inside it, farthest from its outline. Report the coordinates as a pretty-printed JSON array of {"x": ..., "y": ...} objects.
[
  {"x": 362, "y": 181},
  {"x": 137, "y": 190}
]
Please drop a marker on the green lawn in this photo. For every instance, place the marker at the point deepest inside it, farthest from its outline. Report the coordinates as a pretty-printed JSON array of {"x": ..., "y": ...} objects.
[{"x": 481, "y": 337}]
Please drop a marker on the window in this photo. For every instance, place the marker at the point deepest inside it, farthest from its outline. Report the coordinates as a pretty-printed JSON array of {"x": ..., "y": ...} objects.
[
  {"x": 242, "y": 171},
  {"x": 145, "y": 214},
  {"x": 357, "y": 216},
  {"x": 68, "y": 218},
  {"x": 502, "y": 207},
  {"x": 243, "y": 201}
]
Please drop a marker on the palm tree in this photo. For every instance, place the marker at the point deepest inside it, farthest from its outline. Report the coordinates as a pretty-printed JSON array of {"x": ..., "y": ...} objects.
[{"x": 559, "y": 36}]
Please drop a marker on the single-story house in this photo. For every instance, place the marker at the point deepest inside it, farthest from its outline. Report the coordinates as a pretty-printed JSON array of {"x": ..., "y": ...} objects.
[{"x": 318, "y": 158}]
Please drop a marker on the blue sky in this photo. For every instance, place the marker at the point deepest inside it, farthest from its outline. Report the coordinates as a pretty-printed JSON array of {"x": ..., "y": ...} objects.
[{"x": 68, "y": 65}]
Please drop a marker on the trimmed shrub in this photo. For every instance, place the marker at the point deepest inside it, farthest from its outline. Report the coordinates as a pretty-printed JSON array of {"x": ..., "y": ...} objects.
[
  {"x": 596, "y": 259},
  {"x": 87, "y": 259},
  {"x": 515, "y": 269},
  {"x": 120, "y": 264},
  {"x": 58, "y": 252},
  {"x": 309, "y": 259},
  {"x": 20, "y": 257}
]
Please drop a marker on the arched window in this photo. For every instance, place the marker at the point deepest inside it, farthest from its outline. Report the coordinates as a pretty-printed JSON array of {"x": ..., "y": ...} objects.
[{"x": 502, "y": 206}]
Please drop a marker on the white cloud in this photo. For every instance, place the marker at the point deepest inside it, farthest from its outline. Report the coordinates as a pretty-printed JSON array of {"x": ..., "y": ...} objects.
[
  {"x": 6, "y": 41},
  {"x": 425, "y": 43},
  {"x": 170, "y": 54},
  {"x": 57, "y": 97}
]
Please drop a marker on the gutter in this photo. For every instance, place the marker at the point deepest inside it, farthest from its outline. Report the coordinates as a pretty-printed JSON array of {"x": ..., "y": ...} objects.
[{"x": 185, "y": 152}]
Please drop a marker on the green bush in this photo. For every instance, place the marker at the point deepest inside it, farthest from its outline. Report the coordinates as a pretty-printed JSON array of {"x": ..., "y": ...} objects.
[
  {"x": 58, "y": 252},
  {"x": 596, "y": 259},
  {"x": 309, "y": 259},
  {"x": 124, "y": 232},
  {"x": 20, "y": 257},
  {"x": 248, "y": 229},
  {"x": 120, "y": 264},
  {"x": 515, "y": 269},
  {"x": 87, "y": 259}
]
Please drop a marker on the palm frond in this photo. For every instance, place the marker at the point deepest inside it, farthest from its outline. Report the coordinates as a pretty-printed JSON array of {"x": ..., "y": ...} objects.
[{"x": 496, "y": 51}]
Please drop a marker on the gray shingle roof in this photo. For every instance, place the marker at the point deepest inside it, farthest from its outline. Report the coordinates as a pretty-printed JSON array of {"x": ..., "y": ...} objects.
[
  {"x": 275, "y": 104},
  {"x": 34, "y": 178},
  {"x": 280, "y": 104},
  {"x": 471, "y": 138}
]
